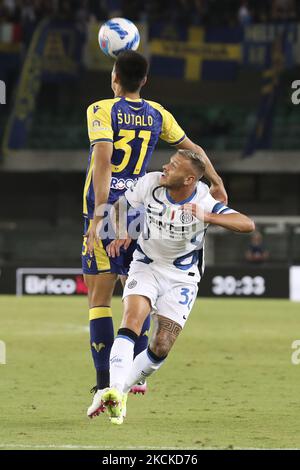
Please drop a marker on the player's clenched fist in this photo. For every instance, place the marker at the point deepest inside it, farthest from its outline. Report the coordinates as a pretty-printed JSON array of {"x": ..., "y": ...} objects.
[{"x": 196, "y": 210}]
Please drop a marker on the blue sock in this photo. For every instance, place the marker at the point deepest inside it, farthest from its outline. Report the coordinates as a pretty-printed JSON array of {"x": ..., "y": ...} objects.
[
  {"x": 142, "y": 341},
  {"x": 102, "y": 338}
]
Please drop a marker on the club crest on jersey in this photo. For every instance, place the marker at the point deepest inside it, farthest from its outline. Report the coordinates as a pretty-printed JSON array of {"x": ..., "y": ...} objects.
[
  {"x": 186, "y": 217},
  {"x": 132, "y": 284}
]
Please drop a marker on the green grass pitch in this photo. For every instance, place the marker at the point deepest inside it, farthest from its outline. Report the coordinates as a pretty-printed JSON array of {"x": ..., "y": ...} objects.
[{"x": 228, "y": 383}]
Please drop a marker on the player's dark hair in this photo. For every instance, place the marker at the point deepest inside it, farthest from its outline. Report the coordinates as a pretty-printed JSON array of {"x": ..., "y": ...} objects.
[
  {"x": 195, "y": 159},
  {"x": 131, "y": 68}
]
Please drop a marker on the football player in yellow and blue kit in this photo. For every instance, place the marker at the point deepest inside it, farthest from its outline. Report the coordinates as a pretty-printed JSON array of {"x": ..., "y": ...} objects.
[{"x": 123, "y": 133}]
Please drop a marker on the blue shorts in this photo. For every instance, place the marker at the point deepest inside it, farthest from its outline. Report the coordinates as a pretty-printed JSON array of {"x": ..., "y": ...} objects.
[{"x": 100, "y": 262}]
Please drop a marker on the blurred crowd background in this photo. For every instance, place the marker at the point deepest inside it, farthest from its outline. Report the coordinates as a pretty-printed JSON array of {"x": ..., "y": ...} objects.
[{"x": 198, "y": 12}]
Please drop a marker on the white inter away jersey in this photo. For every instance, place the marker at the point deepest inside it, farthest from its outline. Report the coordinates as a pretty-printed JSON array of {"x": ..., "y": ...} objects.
[{"x": 172, "y": 237}]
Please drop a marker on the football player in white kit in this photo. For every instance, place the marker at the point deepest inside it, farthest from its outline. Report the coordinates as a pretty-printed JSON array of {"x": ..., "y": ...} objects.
[{"x": 164, "y": 274}]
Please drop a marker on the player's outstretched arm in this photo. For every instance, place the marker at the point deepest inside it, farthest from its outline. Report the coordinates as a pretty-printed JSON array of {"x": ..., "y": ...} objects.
[
  {"x": 236, "y": 222},
  {"x": 101, "y": 183},
  {"x": 217, "y": 189}
]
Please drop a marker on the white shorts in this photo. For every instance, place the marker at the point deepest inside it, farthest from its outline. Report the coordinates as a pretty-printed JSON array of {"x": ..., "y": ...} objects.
[{"x": 168, "y": 296}]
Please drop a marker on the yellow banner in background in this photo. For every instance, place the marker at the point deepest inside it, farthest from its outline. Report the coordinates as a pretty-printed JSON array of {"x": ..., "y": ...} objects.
[
  {"x": 95, "y": 59},
  {"x": 195, "y": 50},
  {"x": 58, "y": 54}
]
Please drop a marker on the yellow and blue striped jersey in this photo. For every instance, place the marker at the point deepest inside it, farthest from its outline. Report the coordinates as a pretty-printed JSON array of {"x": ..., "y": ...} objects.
[{"x": 134, "y": 127}]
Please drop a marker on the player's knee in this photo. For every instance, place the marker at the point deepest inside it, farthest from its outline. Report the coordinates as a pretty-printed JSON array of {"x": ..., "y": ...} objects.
[
  {"x": 99, "y": 299},
  {"x": 99, "y": 296},
  {"x": 100, "y": 288}
]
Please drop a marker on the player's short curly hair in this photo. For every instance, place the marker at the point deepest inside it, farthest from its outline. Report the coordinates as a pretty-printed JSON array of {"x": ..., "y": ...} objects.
[
  {"x": 131, "y": 68},
  {"x": 195, "y": 159}
]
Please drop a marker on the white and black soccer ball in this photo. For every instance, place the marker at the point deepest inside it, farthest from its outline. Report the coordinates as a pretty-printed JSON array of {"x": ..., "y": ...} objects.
[{"x": 118, "y": 35}]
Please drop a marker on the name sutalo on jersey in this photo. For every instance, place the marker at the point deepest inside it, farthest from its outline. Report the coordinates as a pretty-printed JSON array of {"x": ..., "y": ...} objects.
[{"x": 135, "y": 120}]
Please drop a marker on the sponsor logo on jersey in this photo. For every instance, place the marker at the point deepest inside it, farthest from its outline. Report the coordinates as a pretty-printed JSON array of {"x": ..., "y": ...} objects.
[
  {"x": 121, "y": 183},
  {"x": 96, "y": 126},
  {"x": 170, "y": 230},
  {"x": 96, "y": 123}
]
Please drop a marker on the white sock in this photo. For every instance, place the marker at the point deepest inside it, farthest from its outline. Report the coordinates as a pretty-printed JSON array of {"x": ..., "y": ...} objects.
[
  {"x": 143, "y": 366},
  {"x": 121, "y": 359}
]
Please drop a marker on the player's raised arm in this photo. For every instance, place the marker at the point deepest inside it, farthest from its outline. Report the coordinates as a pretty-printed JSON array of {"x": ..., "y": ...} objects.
[
  {"x": 217, "y": 188},
  {"x": 236, "y": 222},
  {"x": 174, "y": 135}
]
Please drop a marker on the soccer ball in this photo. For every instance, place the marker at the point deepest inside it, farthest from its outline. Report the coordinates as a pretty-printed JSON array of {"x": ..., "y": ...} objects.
[{"x": 117, "y": 35}]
